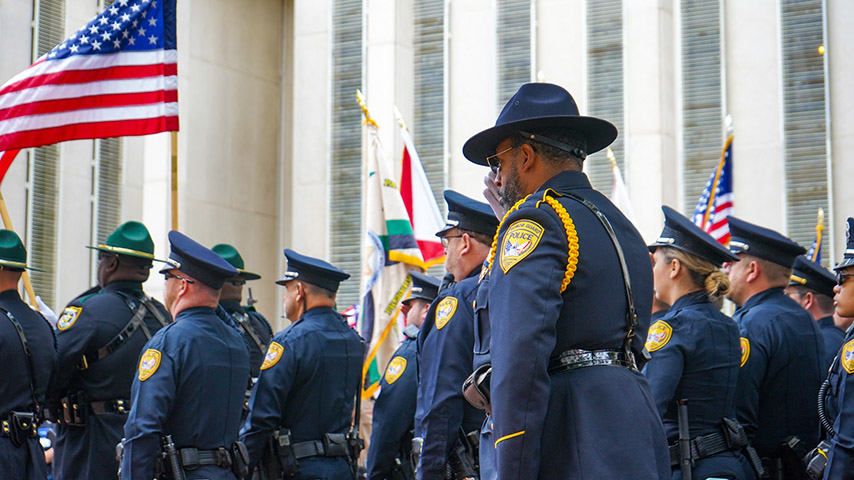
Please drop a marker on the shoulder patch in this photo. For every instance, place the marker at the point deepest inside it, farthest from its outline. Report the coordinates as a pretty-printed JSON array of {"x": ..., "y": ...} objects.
[
  {"x": 658, "y": 336},
  {"x": 274, "y": 353},
  {"x": 847, "y": 359},
  {"x": 68, "y": 317},
  {"x": 395, "y": 369},
  {"x": 148, "y": 364},
  {"x": 445, "y": 310},
  {"x": 745, "y": 350},
  {"x": 519, "y": 241}
]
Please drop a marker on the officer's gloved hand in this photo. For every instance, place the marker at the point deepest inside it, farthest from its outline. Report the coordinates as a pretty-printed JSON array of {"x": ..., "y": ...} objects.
[
  {"x": 46, "y": 311},
  {"x": 491, "y": 195}
]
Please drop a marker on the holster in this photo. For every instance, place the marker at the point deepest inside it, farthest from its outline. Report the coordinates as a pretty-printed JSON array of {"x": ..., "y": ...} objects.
[
  {"x": 816, "y": 460},
  {"x": 476, "y": 388},
  {"x": 417, "y": 443},
  {"x": 279, "y": 461},
  {"x": 335, "y": 444},
  {"x": 120, "y": 454},
  {"x": 19, "y": 426},
  {"x": 463, "y": 459},
  {"x": 240, "y": 460},
  {"x": 792, "y": 454}
]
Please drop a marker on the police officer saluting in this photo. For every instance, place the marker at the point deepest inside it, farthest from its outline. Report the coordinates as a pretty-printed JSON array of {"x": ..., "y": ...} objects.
[
  {"x": 301, "y": 407},
  {"x": 696, "y": 351},
  {"x": 782, "y": 359},
  {"x": 445, "y": 345},
  {"x": 567, "y": 398},
  {"x": 189, "y": 388},
  {"x": 394, "y": 411},
  {"x": 28, "y": 355},
  {"x": 101, "y": 335},
  {"x": 255, "y": 328},
  {"x": 811, "y": 285}
]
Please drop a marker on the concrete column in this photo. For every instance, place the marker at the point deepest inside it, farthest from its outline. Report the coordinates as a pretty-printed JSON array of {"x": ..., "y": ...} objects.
[{"x": 562, "y": 46}]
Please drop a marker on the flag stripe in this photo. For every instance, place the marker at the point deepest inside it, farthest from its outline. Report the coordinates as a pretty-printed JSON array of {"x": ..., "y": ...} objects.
[
  {"x": 92, "y": 101},
  {"x": 81, "y": 131},
  {"x": 6, "y": 162},
  {"x": 37, "y": 122},
  {"x": 54, "y": 92},
  {"x": 88, "y": 76}
]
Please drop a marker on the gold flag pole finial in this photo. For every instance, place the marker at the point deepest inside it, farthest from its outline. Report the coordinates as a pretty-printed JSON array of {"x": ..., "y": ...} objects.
[
  {"x": 820, "y": 222},
  {"x": 399, "y": 118},
  {"x": 361, "y": 99},
  {"x": 611, "y": 157}
]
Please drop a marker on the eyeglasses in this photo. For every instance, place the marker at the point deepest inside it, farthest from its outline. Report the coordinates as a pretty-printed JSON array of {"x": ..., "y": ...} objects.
[
  {"x": 493, "y": 161},
  {"x": 446, "y": 241},
  {"x": 840, "y": 277},
  {"x": 169, "y": 275},
  {"x": 237, "y": 283}
]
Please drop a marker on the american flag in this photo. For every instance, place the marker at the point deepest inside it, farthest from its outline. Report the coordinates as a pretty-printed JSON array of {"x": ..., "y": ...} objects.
[
  {"x": 716, "y": 201},
  {"x": 115, "y": 76}
]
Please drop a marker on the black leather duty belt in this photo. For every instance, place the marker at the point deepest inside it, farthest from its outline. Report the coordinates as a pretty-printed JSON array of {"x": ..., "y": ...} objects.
[
  {"x": 579, "y": 358},
  {"x": 193, "y": 458},
  {"x": 315, "y": 448},
  {"x": 702, "y": 447}
]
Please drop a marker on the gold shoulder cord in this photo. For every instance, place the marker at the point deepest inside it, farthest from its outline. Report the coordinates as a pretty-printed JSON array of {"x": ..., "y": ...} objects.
[{"x": 568, "y": 225}]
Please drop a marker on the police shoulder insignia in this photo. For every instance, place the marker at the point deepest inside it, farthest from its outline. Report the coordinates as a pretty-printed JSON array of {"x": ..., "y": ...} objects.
[
  {"x": 444, "y": 311},
  {"x": 395, "y": 369},
  {"x": 658, "y": 336},
  {"x": 274, "y": 353},
  {"x": 520, "y": 240},
  {"x": 745, "y": 350},
  {"x": 148, "y": 364},
  {"x": 68, "y": 317},
  {"x": 847, "y": 357}
]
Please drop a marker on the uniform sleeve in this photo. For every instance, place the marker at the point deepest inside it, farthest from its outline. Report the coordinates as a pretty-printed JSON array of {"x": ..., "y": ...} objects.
[
  {"x": 73, "y": 339},
  {"x": 393, "y": 416},
  {"x": 664, "y": 370},
  {"x": 524, "y": 307},
  {"x": 268, "y": 398},
  {"x": 445, "y": 367},
  {"x": 756, "y": 345},
  {"x": 152, "y": 396},
  {"x": 840, "y": 461}
]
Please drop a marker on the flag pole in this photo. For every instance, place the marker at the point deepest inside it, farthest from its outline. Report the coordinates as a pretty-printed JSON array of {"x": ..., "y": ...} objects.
[
  {"x": 612, "y": 158},
  {"x": 174, "y": 180},
  {"x": 7, "y": 222},
  {"x": 819, "y": 226}
]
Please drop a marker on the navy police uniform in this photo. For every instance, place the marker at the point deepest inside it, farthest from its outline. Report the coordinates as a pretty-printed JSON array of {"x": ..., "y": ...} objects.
[
  {"x": 556, "y": 287},
  {"x": 695, "y": 357},
  {"x": 389, "y": 455},
  {"x": 190, "y": 382},
  {"x": 308, "y": 383},
  {"x": 813, "y": 276},
  {"x": 782, "y": 359},
  {"x": 101, "y": 335},
  {"x": 445, "y": 351},
  {"x": 22, "y": 394},
  {"x": 840, "y": 458}
]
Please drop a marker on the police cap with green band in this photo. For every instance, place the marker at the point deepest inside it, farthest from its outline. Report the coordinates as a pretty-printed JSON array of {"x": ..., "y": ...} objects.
[
  {"x": 424, "y": 287},
  {"x": 197, "y": 261},
  {"x": 130, "y": 238},
  {"x": 312, "y": 270},
  {"x": 468, "y": 214},
  {"x": 682, "y": 234},
  {"x": 812, "y": 275},
  {"x": 13, "y": 255},
  {"x": 848, "y": 256},
  {"x": 232, "y": 256},
  {"x": 762, "y": 242}
]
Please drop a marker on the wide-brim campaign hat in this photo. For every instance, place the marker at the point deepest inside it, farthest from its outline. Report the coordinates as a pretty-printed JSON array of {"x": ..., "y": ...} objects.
[
  {"x": 197, "y": 261},
  {"x": 468, "y": 214},
  {"x": 12, "y": 251},
  {"x": 312, "y": 270},
  {"x": 132, "y": 239},
  {"x": 812, "y": 275},
  {"x": 424, "y": 287},
  {"x": 232, "y": 256},
  {"x": 848, "y": 256},
  {"x": 537, "y": 106},
  {"x": 682, "y": 234}
]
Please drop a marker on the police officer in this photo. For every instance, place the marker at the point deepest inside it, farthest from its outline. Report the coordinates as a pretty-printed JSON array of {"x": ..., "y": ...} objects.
[
  {"x": 567, "y": 398},
  {"x": 394, "y": 411},
  {"x": 302, "y": 404},
  {"x": 255, "y": 328},
  {"x": 446, "y": 341},
  {"x": 811, "y": 285},
  {"x": 695, "y": 350},
  {"x": 840, "y": 457},
  {"x": 100, "y": 337},
  {"x": 28, "y": 355},
  {"x": 782, "y": 348},
  {"x": 188, "y": 391}
]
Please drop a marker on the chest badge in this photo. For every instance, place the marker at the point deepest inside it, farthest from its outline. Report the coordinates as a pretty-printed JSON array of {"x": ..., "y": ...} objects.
[
  {"x": 444, "y": 311},
  {"x": 68, "y": 317},
  {"x": 658, "y": 336},
  {"x": 745, "y": 350},
  {"x": 148, "y": 364},
  {"x": 395, "y": 369},
  {"x": 847, "y": 358},
  {"x": 520, "y": 240},
  {"x": 274, "y": 353}
]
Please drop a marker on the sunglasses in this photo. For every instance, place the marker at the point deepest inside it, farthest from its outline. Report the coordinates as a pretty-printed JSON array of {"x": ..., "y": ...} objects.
[
  {"x": 493, "y": 161},
  {"x": 168, "y": 275},
  {"x": 840, "y": 277}
]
